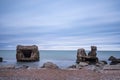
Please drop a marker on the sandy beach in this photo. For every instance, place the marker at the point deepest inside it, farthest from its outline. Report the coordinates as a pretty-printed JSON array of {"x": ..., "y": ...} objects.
[{"x": 58, "y": 74}]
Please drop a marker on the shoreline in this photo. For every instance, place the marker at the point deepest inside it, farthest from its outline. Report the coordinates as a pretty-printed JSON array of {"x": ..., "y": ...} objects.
[
  {"x": 51, "y": 71},
  {"x": 86, "y": 68},
  {"x": 57, "y": 74}
]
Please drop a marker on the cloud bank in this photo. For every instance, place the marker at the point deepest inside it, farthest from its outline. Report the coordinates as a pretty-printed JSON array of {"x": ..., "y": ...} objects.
[{"x": 60, "y": 24}]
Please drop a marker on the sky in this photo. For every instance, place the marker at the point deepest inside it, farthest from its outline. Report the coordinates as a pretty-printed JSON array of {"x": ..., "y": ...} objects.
[{"x": 60, "y": 24}]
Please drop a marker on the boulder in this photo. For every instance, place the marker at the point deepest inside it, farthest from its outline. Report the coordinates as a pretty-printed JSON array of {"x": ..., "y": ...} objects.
[
  {"x": 114, "y": 60},
  {"x": 27, "y": 53},
  {"x": 50, "y": 65},
  {"x": 72, "y": 66},
  {"x": 7, "y": 67},
  {"x": 1, "y": 59},
  {"x": 111, "y": 58}
]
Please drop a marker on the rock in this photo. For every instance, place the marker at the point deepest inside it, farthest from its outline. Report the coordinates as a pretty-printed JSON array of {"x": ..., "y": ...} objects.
[
  {"x": 114, "y": 60},
  {"x": 91, "y": 67},
  {"x": 103, "y": 62},
  {"x": 112, "y": 67},
  {"x": 8, "y": 67},
  {"x": 78, "y": 66},
  {"x": 1, "y": 59},
  {"x": 82, "y": 64},
  {"x": 27, "y": 53},
  {"x": 94, "y": 68},
  {"x": 22, "y": 67},
  {"x": 50, "y": 65},
  {"x": 80, "y": 53},
  {"x": 111, "y": 58},
  {"x": 72, "y": 66},
  {"x": 25, "y": 66},
  {"x": 100, "y": 65}
]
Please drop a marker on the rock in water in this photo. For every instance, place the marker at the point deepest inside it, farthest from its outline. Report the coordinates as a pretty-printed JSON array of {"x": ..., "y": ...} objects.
[
  {"x": 111, "y": 58},
  {"x": 27, "y": 53},
  {"x": 50, "y": 65},
  {"x": 114, "y": 60},
  {"x": 1, "y": 59}
]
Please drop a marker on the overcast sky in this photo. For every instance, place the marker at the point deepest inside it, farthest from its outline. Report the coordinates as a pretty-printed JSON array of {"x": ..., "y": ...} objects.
[{"x": 60, "y": 24}]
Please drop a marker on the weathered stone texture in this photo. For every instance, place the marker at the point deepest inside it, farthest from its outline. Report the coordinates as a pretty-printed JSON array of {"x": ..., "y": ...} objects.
[
  {"x": 27, "y": 53},
  {"x": 90, "y": 58}
]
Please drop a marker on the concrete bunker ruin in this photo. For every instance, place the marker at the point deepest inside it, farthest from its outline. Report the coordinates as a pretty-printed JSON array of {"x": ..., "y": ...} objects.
[
  {"x": 27, "y": 53},
  {"x": 91, "y": 58}
]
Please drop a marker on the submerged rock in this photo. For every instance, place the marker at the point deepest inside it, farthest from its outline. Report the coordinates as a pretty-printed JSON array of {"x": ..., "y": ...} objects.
[{"x": 50, "y": 65}]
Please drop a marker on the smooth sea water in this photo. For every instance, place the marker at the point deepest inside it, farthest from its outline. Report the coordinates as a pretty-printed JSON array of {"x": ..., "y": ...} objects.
[{"x": 63, "y": 58}]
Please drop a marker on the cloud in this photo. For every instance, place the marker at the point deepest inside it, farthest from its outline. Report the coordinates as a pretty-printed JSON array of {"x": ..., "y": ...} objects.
[
  {"x": 56, "y": 15},
  {"x": 64, "y": 24}
]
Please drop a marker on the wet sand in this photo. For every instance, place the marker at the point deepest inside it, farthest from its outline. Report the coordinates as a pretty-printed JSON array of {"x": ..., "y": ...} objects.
[{"x": 58, "y": 74}]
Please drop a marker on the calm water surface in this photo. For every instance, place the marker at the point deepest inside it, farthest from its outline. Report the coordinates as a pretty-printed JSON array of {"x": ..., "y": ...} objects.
[{"x": 63, "y": 58}]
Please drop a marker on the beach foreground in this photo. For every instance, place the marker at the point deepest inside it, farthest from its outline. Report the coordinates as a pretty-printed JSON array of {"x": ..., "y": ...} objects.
[{"x": 58, "y": 74}]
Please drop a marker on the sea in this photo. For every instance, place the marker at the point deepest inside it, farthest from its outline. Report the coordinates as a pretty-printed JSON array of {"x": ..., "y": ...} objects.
[{"x": 63, "y": 58}]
